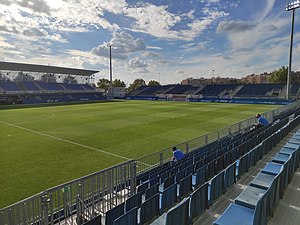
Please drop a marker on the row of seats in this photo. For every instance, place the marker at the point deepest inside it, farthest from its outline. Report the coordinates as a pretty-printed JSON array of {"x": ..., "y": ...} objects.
[
  {"x": 39, "y": 86},
  {"x": 48, "y": 98},
  {"x": 215, "y": 90},
  {"x": 246, "y": 90},
  {"x": 165, "y": 186},
  {"x": 258, "y": 90},
  {"x": 256, "y": 204}
]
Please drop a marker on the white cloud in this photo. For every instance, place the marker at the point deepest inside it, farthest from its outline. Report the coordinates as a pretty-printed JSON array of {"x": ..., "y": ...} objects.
[
  {"x": 179, "y": 72},
  {"x": 39, "y": 6},
  {"x": 155, "y": 20},
  {"x": 136, "y": 63},
  {"x": 122, "y": 44},
  {"x": 235, "y": 26},
  {"x": 265, "y": 12},
  {"x": 151, "y": 54},
  {"x": 33, "y": 32},
  {"x": 158, "y": 21},
  {"x": 4, "y": 44},
  {"x": 153, "y": 47}
]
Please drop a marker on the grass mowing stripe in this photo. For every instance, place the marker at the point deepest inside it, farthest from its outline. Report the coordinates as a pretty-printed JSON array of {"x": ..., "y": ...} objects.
[{"x": 68, "y": 141}]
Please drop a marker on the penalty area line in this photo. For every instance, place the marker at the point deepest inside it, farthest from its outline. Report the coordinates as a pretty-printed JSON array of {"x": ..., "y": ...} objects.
[{"x": 64, "y": 140}]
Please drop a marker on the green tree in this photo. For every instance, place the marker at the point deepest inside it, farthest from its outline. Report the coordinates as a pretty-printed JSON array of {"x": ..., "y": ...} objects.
[
  {"x": 153, "y": 83},
  {"x": 280, "y": 75},
  {"x": 118, "y": 83},
  {"x": 103, "y": 84},
  {"x": 136, "y": 84}
]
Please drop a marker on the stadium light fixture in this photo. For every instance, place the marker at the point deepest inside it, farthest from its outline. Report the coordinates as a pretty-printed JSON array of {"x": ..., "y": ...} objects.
[
  {"x": 110, "y": 74},
  {"x": 291, "y": 6}
]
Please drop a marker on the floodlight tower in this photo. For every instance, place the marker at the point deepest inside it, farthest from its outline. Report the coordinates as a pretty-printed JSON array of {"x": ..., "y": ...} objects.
[
  {"x": 291, "y": 6},
  {"x": 110, "y": 74}
]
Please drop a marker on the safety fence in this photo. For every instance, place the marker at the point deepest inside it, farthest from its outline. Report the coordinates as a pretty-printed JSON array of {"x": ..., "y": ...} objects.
[
  {"x": 159, "y": 158},
  {"x": 76, "y": 201}
]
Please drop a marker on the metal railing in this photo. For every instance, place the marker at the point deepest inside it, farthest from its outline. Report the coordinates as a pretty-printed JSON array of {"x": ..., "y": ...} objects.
[
  {"x": 69, "y": 203},
  {"x": 158, "y": 158}
]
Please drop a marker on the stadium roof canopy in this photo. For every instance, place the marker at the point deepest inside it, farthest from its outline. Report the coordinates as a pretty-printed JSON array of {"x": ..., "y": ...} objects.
[{"x": 45, "y": 69}]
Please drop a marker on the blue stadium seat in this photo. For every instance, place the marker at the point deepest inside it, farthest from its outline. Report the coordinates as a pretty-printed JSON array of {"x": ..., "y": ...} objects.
[
  {"x": 152, "y": 191},
  {"x": 149, "y": 209},
  {"x": 168, "y": 197},
  {"x": 133, "y": 201},
  {"x": 178, "y": 215},
  {"x": 129, "y": 218},
  {"x": 114, "y": 213},
  {"x": 199, "y": 201},
  {"x": 216, "y": 187},
  {"x": 229, "y": 176},
  {"x": 185, "y": 187}
]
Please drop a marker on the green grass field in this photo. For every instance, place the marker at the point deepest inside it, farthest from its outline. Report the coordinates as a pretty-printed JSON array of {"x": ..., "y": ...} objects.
[{"x": 45, "y": 146}]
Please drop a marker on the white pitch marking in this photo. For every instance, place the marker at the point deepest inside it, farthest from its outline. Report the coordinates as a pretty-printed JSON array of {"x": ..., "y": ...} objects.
[{"x": 61, "y": 139}]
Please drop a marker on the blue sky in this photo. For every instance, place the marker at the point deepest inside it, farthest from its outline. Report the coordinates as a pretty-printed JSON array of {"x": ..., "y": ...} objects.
[{"x": 164, "y": 40}]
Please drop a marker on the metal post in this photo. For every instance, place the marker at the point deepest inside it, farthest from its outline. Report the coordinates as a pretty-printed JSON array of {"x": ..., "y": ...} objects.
[
  {"x": 187, "y": 147},
  {"x": 133, "y": 178},
  {"x": 44, "y": 208},
  {"x": 290, "y": 58},
  {"x": 110, "y": 74},
  {"x": 161, "y": 158}
]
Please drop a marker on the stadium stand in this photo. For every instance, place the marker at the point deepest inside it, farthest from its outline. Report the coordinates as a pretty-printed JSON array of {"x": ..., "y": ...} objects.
[
  {"x": 256, "y": 204},
  {"x": 224, "y": 177},
  {"x": 30, "y": 86},
  {"x": 34, "y": 92},
  {"x": 9, "y": 86},
  {"x": 50, "y": 86},
  {"x": 216, "y": 90},
  {"x": 259, "y": 90},
  {"x": 152, "y": 90},
  {"x": 73, "y": 87},
  {"x": 295, "y": 89},
  {"x": 181, "y": 89}
]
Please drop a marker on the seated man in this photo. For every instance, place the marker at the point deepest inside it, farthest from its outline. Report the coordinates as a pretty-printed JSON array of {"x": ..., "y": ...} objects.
[
  {"x": 177, "y": 154},
  {"x": 261, "y": 121}
]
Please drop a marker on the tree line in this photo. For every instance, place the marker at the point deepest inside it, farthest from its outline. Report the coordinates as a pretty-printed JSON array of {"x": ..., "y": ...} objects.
[{"x": 104, "y": 83}]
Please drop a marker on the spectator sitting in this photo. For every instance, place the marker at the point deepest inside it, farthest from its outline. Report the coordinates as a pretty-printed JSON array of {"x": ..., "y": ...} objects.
[
  {"x": 261, "y": 121},
  {"x": 177, "y": 154}
]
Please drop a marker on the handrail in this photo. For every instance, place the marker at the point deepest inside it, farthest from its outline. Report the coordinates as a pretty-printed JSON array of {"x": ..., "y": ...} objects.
[{"x": 147, "y": 162}]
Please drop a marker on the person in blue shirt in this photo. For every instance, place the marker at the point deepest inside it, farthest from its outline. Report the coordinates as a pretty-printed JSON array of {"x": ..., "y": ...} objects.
[
  {"x": 261, "y": 121},
  {"x": 177, "y": 154}
]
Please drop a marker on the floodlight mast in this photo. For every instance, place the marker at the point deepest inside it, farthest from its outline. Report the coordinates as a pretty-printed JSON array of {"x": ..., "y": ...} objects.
[
  {"x": 291, "y": 7},
  {"x": 110, "y": 75}
]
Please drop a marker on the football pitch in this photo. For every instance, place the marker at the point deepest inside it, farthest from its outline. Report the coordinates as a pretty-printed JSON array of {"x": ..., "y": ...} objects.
[{"x": 45, "y": 146}]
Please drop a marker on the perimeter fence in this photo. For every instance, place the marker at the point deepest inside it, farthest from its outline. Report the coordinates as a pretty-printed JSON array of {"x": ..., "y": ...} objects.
[{"x": 159, "y": 158}]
